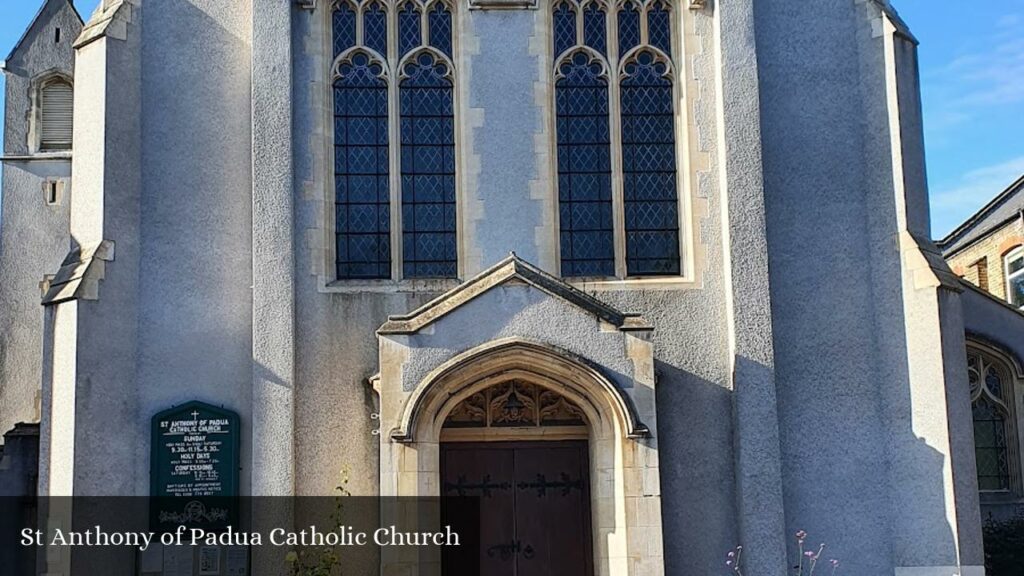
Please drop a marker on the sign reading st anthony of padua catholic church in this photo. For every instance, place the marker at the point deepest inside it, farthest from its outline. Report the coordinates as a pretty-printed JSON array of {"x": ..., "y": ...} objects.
[{"x": 194, "y": 468}]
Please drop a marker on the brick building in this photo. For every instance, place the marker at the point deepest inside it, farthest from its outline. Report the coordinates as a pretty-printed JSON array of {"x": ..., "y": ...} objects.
[{"x": 987, "y": 250}]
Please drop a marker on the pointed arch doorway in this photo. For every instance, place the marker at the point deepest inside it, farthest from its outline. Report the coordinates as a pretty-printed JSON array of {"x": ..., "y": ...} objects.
[{"x": 522, "y": 451}]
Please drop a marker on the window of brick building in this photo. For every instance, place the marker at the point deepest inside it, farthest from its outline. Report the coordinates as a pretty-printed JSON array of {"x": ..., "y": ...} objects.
[{"x": 1015, "y": 277}]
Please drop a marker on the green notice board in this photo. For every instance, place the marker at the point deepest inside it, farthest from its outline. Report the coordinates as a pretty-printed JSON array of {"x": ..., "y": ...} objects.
[{"x": 194, "y": 468}]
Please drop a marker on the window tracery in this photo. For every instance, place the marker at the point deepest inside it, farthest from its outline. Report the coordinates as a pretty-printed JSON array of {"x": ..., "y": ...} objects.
[
  {"x": 515, "y": 404},
  {"x": 394, "y": 139},
  {"x": 995, "y": 435},
  {"x": 615, "y": 129}
]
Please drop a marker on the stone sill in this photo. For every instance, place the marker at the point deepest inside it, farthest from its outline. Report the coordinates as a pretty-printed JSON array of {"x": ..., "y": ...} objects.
[
  {"x": 600, "y": 284},
  {"x": 37, "y": 157},
  {"x": 388, "y": 286},
  {"x": 441, "y": 285}
]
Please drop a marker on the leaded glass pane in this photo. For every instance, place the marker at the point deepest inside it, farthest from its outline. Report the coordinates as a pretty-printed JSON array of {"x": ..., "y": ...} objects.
[
  {"x": 649, "y": 169},
  {"x": 408, "y": 28},
  {"x": 440, "y": 22},
  {"x": 629, "y": 27},
  {"x": 990, "y": 445},
  {"x": 659, "y": 27},
  {"x": 428, "y": 170},
  {"x": 361, "y": 170},
  {"x": 594, "y": 28},
  {"x": 375, "y": 28},
  {"x": 344, "y": 26},
  {"x": 565, "y": 28},
  {"x": 994, "y": 382},
  {"x": 584, "y": 169}
]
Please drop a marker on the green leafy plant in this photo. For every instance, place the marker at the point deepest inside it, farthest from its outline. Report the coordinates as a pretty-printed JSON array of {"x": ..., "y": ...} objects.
[{"x": 322, "y": 560}]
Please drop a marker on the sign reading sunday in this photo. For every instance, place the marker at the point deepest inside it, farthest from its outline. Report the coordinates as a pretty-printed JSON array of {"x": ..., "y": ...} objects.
[{"x": 194, "y": 468}]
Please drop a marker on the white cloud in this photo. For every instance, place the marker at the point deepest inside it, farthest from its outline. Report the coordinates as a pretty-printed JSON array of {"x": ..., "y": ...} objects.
[
  {"x": 974, "y": 82},
  {"x": 972, "y": 191}
]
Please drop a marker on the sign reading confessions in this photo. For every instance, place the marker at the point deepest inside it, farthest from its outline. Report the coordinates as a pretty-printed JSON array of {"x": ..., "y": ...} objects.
[{"x": 194, "y": 468}]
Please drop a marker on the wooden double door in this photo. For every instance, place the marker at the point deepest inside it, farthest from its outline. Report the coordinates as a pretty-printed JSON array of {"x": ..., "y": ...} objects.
[{"x": 534, "y": 508}]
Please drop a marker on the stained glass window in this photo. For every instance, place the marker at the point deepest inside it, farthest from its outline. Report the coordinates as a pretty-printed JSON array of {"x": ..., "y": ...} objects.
[
  {"x": 659, "y": 27},
  {"x": 428, "y": 169},
  {"x": 629, "y": 27},
  {"x": 565, "y": 28},
  {"x": 408, "y": 28},
  {"x": 375, "y": 28},
  {"x": 649, "y": 168},
  {"x": 344, "y": 28},
  {"x": 362, "y": 195},
  {"x": 598, "y": 166},
  {"x": 425, "y": 140},
  {"x": 584, "y": 168},
  {"x": 990, "y": 447},
  {"x": 440, "y": 22},
  {"x": 594, "y": 31},
  {"x": 994, "y": 434}
]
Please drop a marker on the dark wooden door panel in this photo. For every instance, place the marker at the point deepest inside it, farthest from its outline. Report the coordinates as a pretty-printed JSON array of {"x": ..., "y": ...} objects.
[
  {"x": 553, "y": 510},
  {"x": 489, "y": 476},
  {"x": 534, "y": 516}
]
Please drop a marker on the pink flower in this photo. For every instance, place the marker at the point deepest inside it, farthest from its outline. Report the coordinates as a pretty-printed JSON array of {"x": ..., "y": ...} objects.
[{"x": 801, "y": 535}]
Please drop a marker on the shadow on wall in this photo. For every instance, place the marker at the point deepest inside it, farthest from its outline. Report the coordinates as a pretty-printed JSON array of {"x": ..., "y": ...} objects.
[
  {"x": 19, "y": 471},
  {"x": 700, "y": 517},
  {"x": 695, "y": 442}
]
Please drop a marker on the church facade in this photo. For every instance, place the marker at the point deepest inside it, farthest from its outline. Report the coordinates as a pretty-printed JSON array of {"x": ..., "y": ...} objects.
[{"x": 674, "y": 254}]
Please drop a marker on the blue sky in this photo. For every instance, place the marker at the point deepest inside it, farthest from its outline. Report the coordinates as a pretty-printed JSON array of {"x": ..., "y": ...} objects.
[
  {"x": 972, "y": 80},
  {"x": 972, "y": 86}
]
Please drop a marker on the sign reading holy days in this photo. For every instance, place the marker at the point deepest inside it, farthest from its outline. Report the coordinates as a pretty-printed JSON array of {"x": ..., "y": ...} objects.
[{"x": 194, "y": 468}]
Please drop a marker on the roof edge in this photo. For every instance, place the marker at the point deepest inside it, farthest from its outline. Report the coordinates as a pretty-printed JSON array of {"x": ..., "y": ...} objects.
[
  {"x": 901, "y": 25},
  {"x": 35, "y": 19},
  {"x": 1014, "y": 187},
  {"x": 512, "y": 267},
  {"x": 971, "y": 287}
]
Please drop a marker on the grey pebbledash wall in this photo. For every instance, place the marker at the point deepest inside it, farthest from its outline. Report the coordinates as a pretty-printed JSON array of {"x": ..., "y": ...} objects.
[
  {"x": 791, "y": 361},
  {"x": 33, "y": 233},
  {"x": 504, "y": 150}
]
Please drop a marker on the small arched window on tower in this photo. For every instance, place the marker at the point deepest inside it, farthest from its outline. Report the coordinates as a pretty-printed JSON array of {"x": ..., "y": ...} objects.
[
  {"x": 991, "y": 381},
  {"x": 56, "y": 99}
]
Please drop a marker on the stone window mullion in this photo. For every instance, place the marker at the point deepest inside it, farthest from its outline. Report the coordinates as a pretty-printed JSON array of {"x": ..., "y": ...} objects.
[{"x": 615, "y": 124}]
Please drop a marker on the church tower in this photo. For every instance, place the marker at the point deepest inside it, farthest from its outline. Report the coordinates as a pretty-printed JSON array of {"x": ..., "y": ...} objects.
[{"x": 36, "y": 195}]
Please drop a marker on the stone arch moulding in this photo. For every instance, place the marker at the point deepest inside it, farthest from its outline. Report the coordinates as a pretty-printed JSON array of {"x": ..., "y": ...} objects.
[
  {"x": 542, "y": 364},
  {"x": 624, "y": 465}
]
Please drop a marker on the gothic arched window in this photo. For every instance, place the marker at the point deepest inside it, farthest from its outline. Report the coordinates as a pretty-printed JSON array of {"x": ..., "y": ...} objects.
[
  {"x": 394, "y": 107},
  {"x": 584, "y": 166},
  {"x": 615, "y": 129},
  {"x": 361, "y": 172},
  {"x": 995, "y": 436},
  {"x": 428, "y": 167}
]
